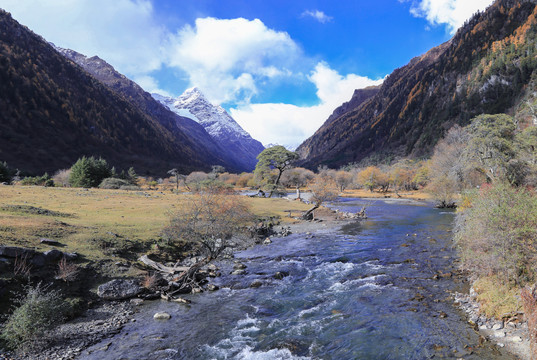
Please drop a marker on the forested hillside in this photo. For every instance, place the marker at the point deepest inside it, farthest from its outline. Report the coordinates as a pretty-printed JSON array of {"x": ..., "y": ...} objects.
[
  {"x": 52, "y": 112},
  {"x": 487, "y": 67}
]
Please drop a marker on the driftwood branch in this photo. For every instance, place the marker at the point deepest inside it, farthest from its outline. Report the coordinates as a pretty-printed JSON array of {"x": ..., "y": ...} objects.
[{"x": 162, "y": 268}]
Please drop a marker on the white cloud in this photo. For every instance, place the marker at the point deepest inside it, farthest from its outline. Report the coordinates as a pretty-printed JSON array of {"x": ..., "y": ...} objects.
[
  {"x": 230, "y": 60},
  {"x": 123, "y": 32},
  {"x": 227, "y": 58},
  {"x": 452, "y": 13},
  {"x": 317, "y": 15},
  {"x": 288, "y": 124},
  {"x": 150, "y": 84}
]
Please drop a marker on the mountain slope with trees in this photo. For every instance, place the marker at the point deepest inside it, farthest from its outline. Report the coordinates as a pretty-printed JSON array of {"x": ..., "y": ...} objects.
[
  {"x": 184, "y": 129},
  {"x": 53, "y": 112},
  {"x": 487, "y": 67}
]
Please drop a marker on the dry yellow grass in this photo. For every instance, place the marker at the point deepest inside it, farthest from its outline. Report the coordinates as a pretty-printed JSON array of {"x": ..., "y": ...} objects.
[
  {"x": 98, "y": 214},
  {"x": 496, "y": 297}
]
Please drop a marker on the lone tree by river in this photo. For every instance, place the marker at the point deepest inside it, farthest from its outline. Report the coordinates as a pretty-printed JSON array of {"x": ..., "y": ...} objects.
[
  {"x": 211, "y": 221},
  {"x": 275, "y": 157}
]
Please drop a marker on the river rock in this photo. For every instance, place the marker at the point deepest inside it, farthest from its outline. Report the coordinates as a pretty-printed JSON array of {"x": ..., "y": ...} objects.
[
  {"x": 238, "y": 272},
  {"x": 38, "y": 260},
  {"x": 70, "y": 256},
  {"x": 255, "y": 284},
  {"x": 239, "y": 266},
  {"x": 280, "y": 275},
  {"x": 49, "y": 242},
  {"x": 497, "y": 326},
  {"x": 212, "y": 287},
  {"x": 119, "y": 289},
  {"x": 499, "y": 334},
  {"x": 515, "y": 339},
  {"x": 267, "y": 241},
  {"x": 137, "y": 302},
  {"x": 12, "y": 251},
  {"x": 162, "y": 316},
  {"x": 212, "y": 267}
]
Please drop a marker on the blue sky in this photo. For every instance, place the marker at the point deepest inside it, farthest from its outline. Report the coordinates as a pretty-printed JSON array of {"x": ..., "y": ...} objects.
[{"x": 279, "y": 67}]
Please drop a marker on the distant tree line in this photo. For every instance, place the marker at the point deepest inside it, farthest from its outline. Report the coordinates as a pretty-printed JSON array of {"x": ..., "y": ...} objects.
[{"x": 86, "y": 172}]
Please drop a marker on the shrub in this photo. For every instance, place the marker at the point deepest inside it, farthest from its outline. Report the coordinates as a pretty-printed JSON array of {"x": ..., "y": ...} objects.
[
  {"x": 39, "y": 310},
  {"x": 150, "y": 282},
  {"x": 497, "y": 234},
  {"x": 44, "y": 180},
  {"x": 89, "y": 172},
  {"x": 67, "y": 271},
  {"x": 61, "y": 178},
  {"x": 113, "y": 183}
]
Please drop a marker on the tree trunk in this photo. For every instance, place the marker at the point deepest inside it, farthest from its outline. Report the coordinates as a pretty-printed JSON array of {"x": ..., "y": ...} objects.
[
  {"x": 188, "y": 277},
  {"x": 276, "y": 182},
  {"x": 308, "y": 215},
  {"x": 298, "y": 193}
]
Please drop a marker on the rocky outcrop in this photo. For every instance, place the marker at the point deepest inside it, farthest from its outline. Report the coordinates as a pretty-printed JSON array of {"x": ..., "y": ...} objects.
[{"x": 31, "y": 257}]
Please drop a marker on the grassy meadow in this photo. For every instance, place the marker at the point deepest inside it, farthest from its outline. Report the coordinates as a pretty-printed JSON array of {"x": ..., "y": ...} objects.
[{"x": 87, "y": 221}]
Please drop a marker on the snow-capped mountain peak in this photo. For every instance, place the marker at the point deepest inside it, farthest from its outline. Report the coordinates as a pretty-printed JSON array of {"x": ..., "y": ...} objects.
[{"x": 216, "y": 121}]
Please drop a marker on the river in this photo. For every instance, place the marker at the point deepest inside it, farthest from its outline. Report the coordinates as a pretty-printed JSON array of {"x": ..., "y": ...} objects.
[{"x": 366, "y": 291}]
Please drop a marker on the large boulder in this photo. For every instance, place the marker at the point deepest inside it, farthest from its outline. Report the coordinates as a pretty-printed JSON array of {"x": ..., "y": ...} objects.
[
  {"x": 119, "y": 289},
  {"x": 52, "y": 256}
]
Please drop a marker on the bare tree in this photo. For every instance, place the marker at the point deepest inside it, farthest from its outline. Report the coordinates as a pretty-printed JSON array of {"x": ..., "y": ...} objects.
[
  {"x": 343, "y": 179},
  {"x": 210, "y": 220},
  {"x": 297, "y": 178},
  {"x": 175, "y": 172},
  {"x": 323, "y": 189},
  {"x": 194, "y": 179}
]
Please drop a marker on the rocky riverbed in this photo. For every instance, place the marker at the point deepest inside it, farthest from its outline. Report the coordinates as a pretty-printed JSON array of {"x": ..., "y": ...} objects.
[
  {"x": 374, "y": 289},
  {"x": 339, "y": 294}
]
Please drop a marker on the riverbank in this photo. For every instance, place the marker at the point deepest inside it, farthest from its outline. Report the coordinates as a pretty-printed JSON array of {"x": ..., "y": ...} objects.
[{"x": 511, "y": 332}]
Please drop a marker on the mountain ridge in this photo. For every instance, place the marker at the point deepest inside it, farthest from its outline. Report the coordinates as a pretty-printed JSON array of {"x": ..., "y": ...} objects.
[
  {"x": 449, "y": 84},
  {"x": 53, "y": 112},
  {"x": 185, "y": 129}
]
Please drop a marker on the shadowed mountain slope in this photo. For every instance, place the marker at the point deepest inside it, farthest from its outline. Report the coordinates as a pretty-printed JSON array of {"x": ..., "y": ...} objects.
[{"x": 52, "y": 112}]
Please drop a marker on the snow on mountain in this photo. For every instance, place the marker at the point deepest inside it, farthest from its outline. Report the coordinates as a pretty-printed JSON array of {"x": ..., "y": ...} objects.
[{"x": 217, "y": 122}]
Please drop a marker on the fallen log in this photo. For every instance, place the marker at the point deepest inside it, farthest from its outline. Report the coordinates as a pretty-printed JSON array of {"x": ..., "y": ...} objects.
[{"x": 162, "y": 268}]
